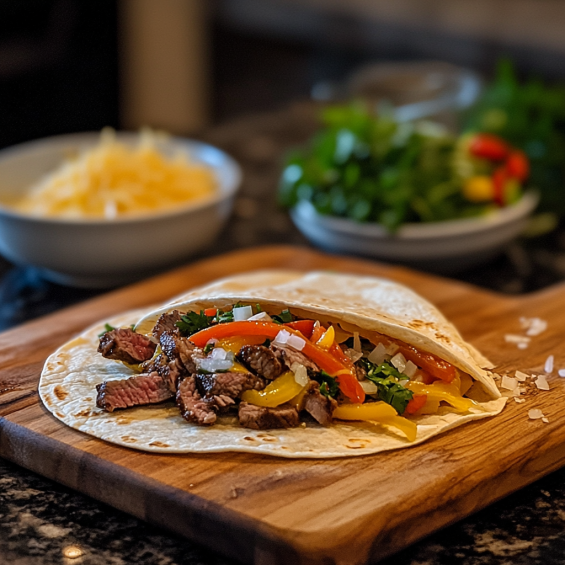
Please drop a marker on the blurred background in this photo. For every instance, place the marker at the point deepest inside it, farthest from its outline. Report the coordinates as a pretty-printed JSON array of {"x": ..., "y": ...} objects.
[
  {"x": 68, "y": 65},
  {"x": 249, "y": 76}
]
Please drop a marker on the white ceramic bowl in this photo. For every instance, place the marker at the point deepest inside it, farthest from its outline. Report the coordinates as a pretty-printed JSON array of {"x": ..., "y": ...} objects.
[
  {"x": 102, "y": 253},
  {"x": 441, "y": 246}
]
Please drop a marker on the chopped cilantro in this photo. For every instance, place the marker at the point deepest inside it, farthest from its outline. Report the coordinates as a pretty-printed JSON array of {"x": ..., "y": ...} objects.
[
  {"x": 223, "y": 317},
  {"x": 283, "y": 318},
  {"x": 208, "y": 347},
  {"x": 328, "y": 386},
  {"x": 386, "y": 377},
  {"x": 192, "y": 322},
  {"x": 107, "y": 328}
]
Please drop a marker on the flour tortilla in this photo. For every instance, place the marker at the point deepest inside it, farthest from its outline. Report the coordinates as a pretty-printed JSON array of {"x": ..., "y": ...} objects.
[{"x": 365, "y": 304}]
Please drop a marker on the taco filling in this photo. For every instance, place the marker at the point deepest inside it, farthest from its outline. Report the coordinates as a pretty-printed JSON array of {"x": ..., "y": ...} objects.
[{"x": 278, "y": 370}]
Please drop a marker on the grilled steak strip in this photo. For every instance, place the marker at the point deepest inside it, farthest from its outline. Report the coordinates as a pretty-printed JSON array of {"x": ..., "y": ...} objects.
[
  {"x": 181, "y": 349},
  {"x": 228, "y": 384},
  {"x": 320, "y": 407},
  {"x": 134, "y": 391},
  {"x": 123, "y": 344},
  {"x": 262, "y": 360},
  {"x": 166, "y": 323},
  {"x": 262, "y": 418},
  {"x": 193, "y": 407},
  {"x": 288, "y": 356}
]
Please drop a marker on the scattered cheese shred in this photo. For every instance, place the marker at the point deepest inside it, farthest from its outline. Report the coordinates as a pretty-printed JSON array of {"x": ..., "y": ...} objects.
[
  {"x": 517, "y": 339},
  {"x": 545, "y": 420},
  {"x": 548, "y": 367},
  {"x": 561, "y": 372},
  {"x": 521, "y": 376},
  {"x": 535, "y": 414},
  {"x": 519, "y": 400},
  {"x": 114, "y": 179},
  {"x": 541, "y": 382},
  {"x": 533, "y": 326},
  {"x": 508, "y": 383}
]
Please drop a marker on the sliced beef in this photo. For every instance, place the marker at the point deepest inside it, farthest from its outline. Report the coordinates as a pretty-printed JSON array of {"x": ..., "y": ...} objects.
[
  {"x": 193, "y": 407},
  {"x": 182, "y": 349},
  {"x": 166, "y": 323},
  {"x": 320, "y": 407},
  {"x": 289, "y": 355},
  {"x": 261, "y": 360},
  {"x": 262, "y": 418},
  {"x": 228, "y": 384},
  {"x": 123, "y": 344},
  {"x": 134, "y": 391}
]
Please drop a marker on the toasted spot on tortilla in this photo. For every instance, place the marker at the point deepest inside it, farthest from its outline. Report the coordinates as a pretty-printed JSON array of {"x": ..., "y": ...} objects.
[
  {"x": 88, "y": 399},
  {"x": 159, "y": 444},
  {"x": 83, "y": 414},
  {"x": 60, "y": 392},
  {"x": 249, "y": 438},
  {"x": 442, "y": 337},
  {"x": 421, "y": 324},
  {"x": 59, "y": 415},
  {"x": 128, "y": 439},
  {"x": 47, "y": 399},
  {"x": 355, "y": 446}
]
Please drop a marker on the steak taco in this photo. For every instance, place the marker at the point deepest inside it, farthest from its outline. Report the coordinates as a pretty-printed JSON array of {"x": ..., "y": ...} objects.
[{"x": 277, "y": 362}]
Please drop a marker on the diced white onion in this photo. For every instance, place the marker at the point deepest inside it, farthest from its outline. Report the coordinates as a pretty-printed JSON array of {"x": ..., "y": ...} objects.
[
  {"x": 377, "y": 356},
  {"x": 403, "y": 382},
  {"x": 354, "y": 355},
  {"x": 261, "y": 317},
  {"x": 535, "y": 414},
  {"x": 357, "y": 342},
  {"x": 391, "y": 348},
  {"x": 548, "y": 367},
  {"x": 369, "y": 387},
  {"x": 242, "y": 313},
  {"x": 300, "y": 374},
  {"x": 282, "y": 337},
  {"x": 212, "y": 365},
  {"x": 410, "y": 369},
  {"x": 399, "y": 361},
  {"x": 218, "y": 353},
  {"x": 296, "y": 342}
]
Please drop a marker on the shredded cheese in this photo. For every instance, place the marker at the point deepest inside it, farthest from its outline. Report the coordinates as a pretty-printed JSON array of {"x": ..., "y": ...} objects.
[{"x": 113, "y": 179}]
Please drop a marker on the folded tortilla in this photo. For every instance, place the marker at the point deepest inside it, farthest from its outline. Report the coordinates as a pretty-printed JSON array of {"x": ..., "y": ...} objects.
[{"x": 352, "y": 303}]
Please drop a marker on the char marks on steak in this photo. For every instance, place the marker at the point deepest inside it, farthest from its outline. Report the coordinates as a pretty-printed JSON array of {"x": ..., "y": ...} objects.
[
  {"x": 289, "y": 355},
  {"x": 262, "y": 360},
  {"x": 228, "y": 384},
  {"x": 263, "y": 418},
  {"x": 123, "y": 344},
  {"x": 193, "y": 407},
  {"x": 320, "y": 407},
  {"x": 134, "y": 391},
  {"x": 167, "y": 323},
  {"x": 181, "y": 349}
]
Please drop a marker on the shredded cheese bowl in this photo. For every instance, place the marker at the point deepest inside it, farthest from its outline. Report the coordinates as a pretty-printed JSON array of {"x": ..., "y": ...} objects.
[{"x": 95, "y": 213}]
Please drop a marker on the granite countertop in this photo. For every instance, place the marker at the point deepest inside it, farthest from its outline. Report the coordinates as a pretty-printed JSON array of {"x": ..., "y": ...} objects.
[{"x": 42, "y": 522}]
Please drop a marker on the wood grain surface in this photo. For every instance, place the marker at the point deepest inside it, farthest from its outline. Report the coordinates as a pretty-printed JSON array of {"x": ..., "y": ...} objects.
[{"x": 266, "y": 510}]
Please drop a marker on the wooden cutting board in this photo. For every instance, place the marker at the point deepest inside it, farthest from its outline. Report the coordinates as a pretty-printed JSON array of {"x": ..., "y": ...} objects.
[{"x": 266, "y": 510}]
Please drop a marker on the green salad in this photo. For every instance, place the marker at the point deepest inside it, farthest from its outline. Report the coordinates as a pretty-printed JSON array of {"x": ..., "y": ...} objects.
[{"x": 370, "y": 168}]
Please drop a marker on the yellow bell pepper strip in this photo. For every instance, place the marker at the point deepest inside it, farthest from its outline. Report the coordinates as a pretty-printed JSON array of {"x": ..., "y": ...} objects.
[
  {"x": 281, "y": 390},
  {"x": 327, "y": 339},
  {"x": 377, "y": 412},
  {"x": 347, "y": 381},
  {"x": 440, "y": 391}
]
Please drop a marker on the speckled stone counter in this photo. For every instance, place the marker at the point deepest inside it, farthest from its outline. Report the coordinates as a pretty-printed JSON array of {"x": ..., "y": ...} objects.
[{"x": 42, "y": 522}]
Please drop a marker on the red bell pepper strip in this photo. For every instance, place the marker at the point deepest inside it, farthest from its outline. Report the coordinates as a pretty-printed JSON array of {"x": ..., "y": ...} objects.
[
  {"x": 210, "y": 312},
  {"x": 488, "y": 146},
  {"x": 431, "y": 364},
  {"x": 415, "y": 403},
  {"x": 347, "y": 382},
  {"x": 305, "y": 327}
]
